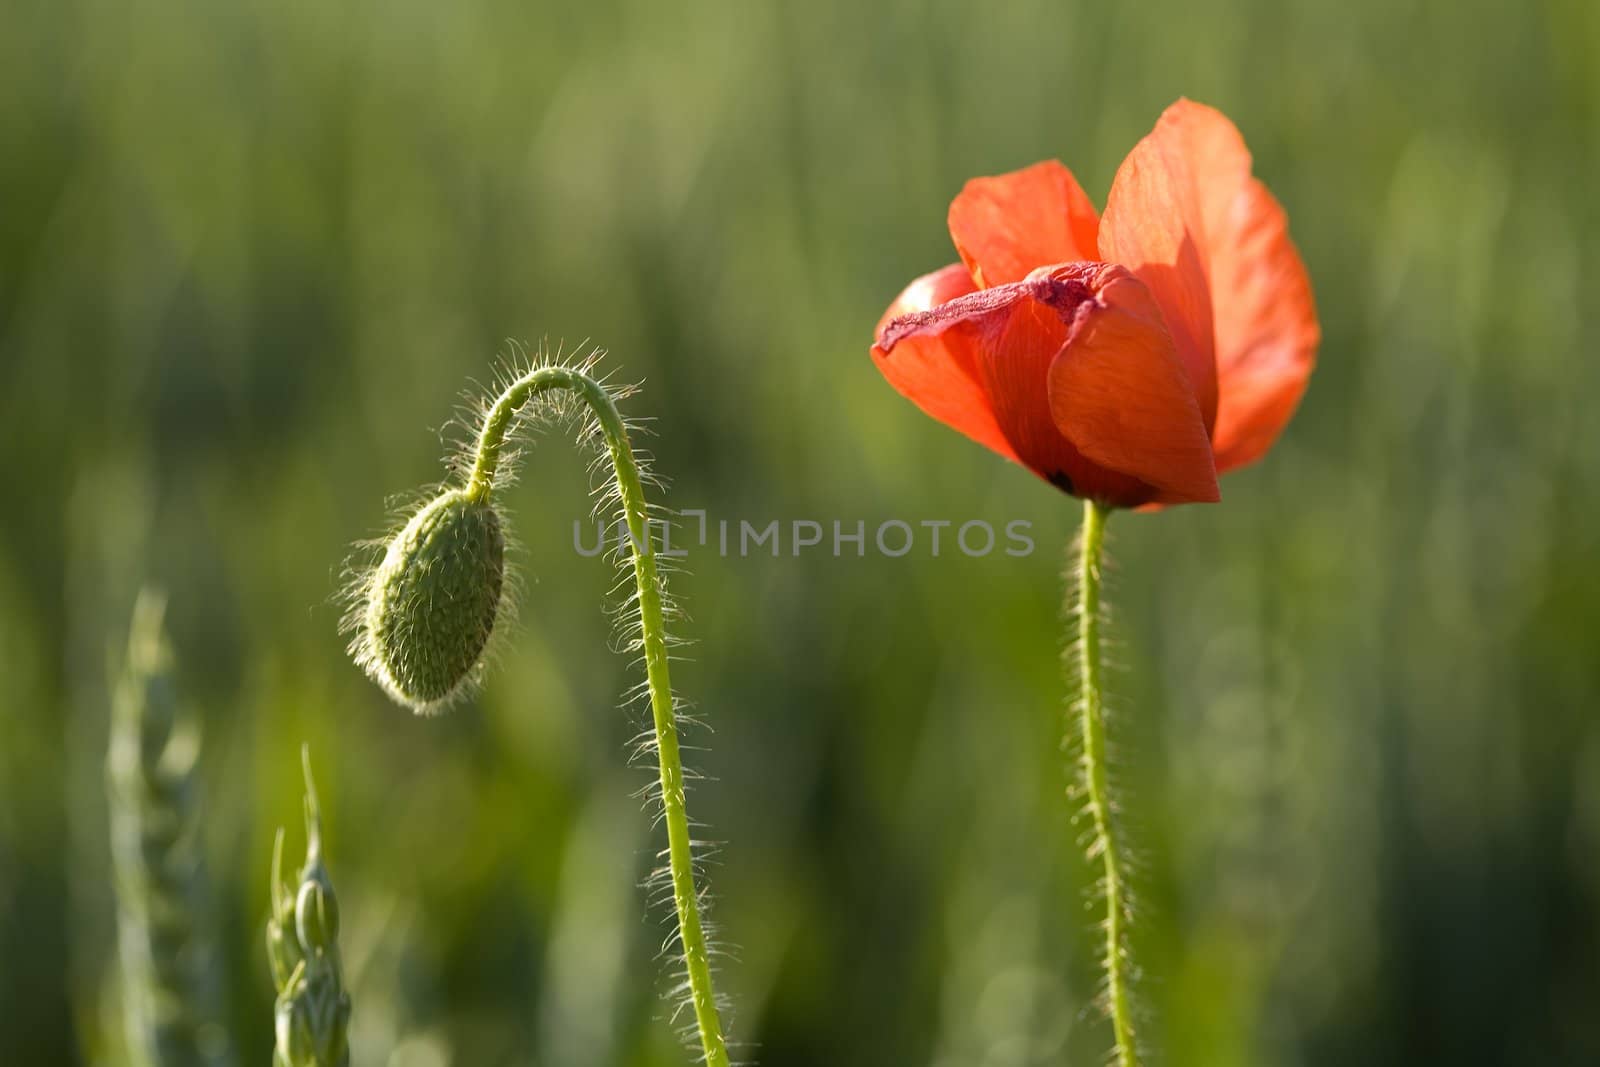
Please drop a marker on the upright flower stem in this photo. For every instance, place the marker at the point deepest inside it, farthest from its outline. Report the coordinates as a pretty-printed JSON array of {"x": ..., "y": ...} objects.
[
  {"x": 1090, "y": 707},
  {"x": 685, "y": 897}
]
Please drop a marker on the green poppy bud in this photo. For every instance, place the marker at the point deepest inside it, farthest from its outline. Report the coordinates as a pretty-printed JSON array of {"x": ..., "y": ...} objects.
[{"x": 432, "y": 601}]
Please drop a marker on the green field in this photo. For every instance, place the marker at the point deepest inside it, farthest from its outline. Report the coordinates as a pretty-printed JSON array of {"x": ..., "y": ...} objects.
[{"x": 252, "y": 254}]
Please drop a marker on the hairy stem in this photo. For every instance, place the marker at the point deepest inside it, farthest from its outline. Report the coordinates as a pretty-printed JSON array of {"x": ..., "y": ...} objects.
[
  {"x": 697, "y": 962},
  {"x": 1096, "y": 785}
]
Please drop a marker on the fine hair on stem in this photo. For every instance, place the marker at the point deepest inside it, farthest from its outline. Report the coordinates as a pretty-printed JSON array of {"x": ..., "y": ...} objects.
[
  {"x": 426, "y": 612},
  {"x": 1087, "y": 732}
]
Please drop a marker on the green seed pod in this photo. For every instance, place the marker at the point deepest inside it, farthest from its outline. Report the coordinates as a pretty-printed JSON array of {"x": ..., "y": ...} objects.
[{"x": 431, "y": 604}]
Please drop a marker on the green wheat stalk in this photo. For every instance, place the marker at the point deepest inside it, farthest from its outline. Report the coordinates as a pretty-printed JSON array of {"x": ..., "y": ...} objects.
[
  {"x": 424, "y": 614},
  {"x": 312, "y": 1014},
  {"x": 169, "y": 979}
]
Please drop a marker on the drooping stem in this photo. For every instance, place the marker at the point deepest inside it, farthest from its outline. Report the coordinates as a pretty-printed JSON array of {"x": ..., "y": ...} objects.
[
  {"x": 685, "y": 897},
  {"x": 1090, "y": 707}
]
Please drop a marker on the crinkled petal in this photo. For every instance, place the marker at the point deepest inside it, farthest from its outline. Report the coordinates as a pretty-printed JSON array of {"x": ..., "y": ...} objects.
[
  {"x": 937, "y": 370},
  {"x": 1121, "y": 395},
  {"x": 1015, "y": 337}
]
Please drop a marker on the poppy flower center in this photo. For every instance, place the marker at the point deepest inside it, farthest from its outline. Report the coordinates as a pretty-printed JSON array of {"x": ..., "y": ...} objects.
[{"x": 1063, "y": 287}]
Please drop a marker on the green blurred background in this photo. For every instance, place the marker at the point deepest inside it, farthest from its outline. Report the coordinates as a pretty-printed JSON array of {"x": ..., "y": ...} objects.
[{"x": 251, "y": 253}]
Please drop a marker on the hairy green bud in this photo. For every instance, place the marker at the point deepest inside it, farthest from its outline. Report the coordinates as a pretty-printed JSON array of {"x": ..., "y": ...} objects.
[{"x": 432, "y": 602}]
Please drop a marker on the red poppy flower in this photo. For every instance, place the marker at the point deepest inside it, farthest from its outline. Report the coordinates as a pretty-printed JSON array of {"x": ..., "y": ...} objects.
[{"x": 1129, "y": 358}]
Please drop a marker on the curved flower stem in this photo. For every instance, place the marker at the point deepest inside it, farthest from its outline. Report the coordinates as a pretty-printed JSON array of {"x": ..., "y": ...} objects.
[
  {"x": 680, "y": 862},
  {"x": 1096, "y": 786}
]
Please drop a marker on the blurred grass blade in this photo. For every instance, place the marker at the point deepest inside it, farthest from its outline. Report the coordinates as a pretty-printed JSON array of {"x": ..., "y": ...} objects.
[{"x": 169, "y": 978}]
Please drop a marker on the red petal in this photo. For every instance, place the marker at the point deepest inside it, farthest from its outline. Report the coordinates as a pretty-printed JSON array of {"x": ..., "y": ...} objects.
[
  {"x": 937, "y": 370},
  {"x": 1120, "y": 394},
  {"x": 1013, "y": 335},
  {"x": 1018, "y": 343},
  {"x": 1266, "y": 323},
  {"x": 1154, "y": 226},
  {"x": 1008, "y": 225}
]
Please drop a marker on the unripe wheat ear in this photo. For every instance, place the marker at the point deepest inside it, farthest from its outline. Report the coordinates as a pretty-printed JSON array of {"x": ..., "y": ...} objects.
[
  {"x": 311, "y": 1020},
  {"x": 424, "y": 614},
  {"x": 164, "y": 910}
]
